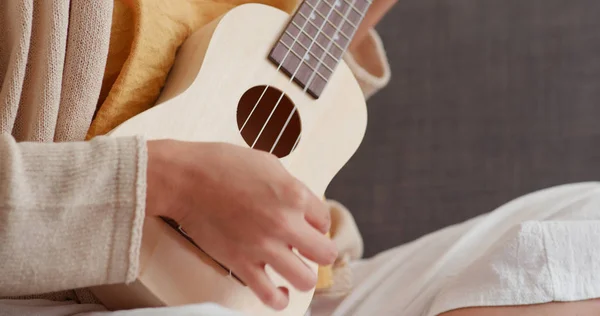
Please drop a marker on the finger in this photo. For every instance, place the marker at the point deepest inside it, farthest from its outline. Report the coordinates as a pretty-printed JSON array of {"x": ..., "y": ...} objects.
[
  {"x": 318, "y": 215},
  {"x": 312, "y": 244},
  {"x": 291, "y": 267},
  {"x": 257, "y": 280}
]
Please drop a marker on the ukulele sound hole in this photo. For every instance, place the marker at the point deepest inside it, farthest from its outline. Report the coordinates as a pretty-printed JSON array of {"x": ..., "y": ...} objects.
[{"x": 269, "y": 121}]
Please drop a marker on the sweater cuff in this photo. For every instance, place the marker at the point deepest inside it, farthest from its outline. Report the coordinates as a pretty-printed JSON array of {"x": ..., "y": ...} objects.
[
  {"x": 124, "y": 236},
  {"x": 71, "y": 214},
  {"x": 370, "y": 64},
  {"x": 133, "y": 245},
  {"x": 129, "y": 211}
]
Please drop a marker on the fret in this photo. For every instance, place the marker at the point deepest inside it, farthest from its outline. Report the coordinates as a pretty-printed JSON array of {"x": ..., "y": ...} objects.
[
  {"x": 354, "y": 16},
  {"x": 361, "y": 14},
  {"x": 329, "y": 38},
  {"x": 309, "y": 20},
  {"x": 314, "y": 70},
  {"x": 362, "y": 5},
  {"x": 309, "y": 28},
  {"x": 306, "y": 50},
  {"x": 316, "y": 39},
  {"x": 346, "y": 17},
  {"x": 328, "y": 22},
  {"x": 359, "y": 18},
  {"x": 335, "y": 39},
  {"x": 347, "y": 10},
  {"x": 298, "y": 21},
  {"x": 324, "y": 8},
  {"x": 330, "y": 62},
  {"x": 343, "y": 16},
  {"x": 305, "y": 64},
  {"x": 328, "y": 25},
  {"x": 337, "y": 51},
  {"x": 294, "y": 66},
  {"x": 323, "y": 48},
  {"x": 346, "y": 28},
  {"x": 321, "y": 41},
  {"x": 349, "y": 16},
  {"x": 323, "y": 17},
  {"x": 307, "y": 59},
  {"x": 337, "y": 36},
  {"x": 302, "y": 38}
]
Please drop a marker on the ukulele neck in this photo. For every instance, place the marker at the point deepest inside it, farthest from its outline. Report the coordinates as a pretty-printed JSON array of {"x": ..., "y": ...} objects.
[{"x": 315, "y": 40}]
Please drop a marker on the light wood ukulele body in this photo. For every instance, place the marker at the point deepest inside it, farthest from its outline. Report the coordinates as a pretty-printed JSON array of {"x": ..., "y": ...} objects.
[{"x": 207, "y": 98}]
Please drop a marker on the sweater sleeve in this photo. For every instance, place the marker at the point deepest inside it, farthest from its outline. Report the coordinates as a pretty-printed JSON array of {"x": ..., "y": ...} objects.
[
  {"x": 71, "y": 214},
  {"x": 369, "y": 64}
]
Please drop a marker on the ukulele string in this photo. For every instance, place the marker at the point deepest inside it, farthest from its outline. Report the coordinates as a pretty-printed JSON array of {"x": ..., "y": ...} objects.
[
  {"x": 312, "y": 10},
  {"x": 295, "y": 71},
  {"x": 320, "y": 62}
]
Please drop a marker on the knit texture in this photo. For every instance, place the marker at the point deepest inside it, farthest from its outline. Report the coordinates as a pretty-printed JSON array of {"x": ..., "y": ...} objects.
[
  {"x": 52, "y": 55},
  {"x": 70, "y": 212},
  {"x": 83, "y": 238}
]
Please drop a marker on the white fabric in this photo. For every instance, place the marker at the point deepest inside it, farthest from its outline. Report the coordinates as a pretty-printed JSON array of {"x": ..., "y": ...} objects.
[
  {"x": 50, "y": 308},
  {"x": 539, "y": 248}
]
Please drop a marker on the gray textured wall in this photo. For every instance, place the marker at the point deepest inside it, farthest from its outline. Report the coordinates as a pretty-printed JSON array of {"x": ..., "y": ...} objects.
[{"x": 489, "y": 99}]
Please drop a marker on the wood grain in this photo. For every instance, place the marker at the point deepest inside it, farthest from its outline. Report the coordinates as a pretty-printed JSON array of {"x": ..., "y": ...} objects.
[{"x": 213, "y": 69}]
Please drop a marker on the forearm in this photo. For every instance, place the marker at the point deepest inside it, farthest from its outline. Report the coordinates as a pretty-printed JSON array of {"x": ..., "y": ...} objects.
[{"x": 70, "y": 213}]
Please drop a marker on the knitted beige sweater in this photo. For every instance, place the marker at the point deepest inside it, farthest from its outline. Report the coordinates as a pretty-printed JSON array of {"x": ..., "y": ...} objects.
[{"x": 70, "y": 211}]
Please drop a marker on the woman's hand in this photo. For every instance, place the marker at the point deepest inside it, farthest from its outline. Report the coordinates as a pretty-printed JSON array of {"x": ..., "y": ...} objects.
[{"x": 244, "y": 209}]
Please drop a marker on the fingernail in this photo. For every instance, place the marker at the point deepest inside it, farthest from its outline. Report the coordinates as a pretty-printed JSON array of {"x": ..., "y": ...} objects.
[
  {"x": 282, "y": 300},
  {"x": 285, "y": 292}
]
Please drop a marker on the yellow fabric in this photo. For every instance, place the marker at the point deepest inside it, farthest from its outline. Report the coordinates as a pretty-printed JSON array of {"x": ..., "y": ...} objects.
[
  {"x": 144, "y": 40},
  {"x": 325, "y": 276},
  {"x": 143, "y": 44}
]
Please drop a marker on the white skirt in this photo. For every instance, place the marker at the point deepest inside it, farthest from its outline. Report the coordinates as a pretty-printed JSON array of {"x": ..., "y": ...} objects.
[{"x": 539, "y": 248}]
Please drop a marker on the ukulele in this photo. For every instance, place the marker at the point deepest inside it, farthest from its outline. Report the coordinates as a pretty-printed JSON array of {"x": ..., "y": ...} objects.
[{"x": 259, "y": 78}]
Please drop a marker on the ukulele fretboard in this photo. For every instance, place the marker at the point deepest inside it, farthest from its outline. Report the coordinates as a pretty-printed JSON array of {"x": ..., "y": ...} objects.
[{"x": 315, "y": 40}]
